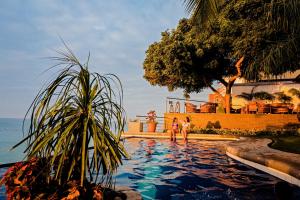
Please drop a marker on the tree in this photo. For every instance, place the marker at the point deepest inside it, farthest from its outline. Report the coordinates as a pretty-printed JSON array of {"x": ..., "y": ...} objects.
[
  {"x": 267, "y": 32},
  {"x": 76, "y": 113},
  {"x": 192, "y": 61},
  {"x": 205, "y": 11},
  {"x": 242, "y": 40}
]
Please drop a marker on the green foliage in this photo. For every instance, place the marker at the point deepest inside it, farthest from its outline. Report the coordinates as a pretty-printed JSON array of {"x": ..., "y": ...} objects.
[
  {"x": 192, "y": 57},
  {"x": 203, "y": 11},
  {"x": 237, "y": 132},
  {"x": 256, "y": 95},
  {"x": 263, "y": 96},
  {"x": 289, "y": 144},
  {"x": 282, "y": 97},
  {"x": 246, "y": 96},
  {"x": 270, "y": 46},
  {"x": 76, "y": 123},
  {"x": 183, "y": 59},
  {"x": 220, "y": 108}
]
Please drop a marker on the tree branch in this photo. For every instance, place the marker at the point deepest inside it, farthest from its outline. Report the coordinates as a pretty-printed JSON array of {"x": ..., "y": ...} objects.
[
  {"x": 221, "y": 80},
  {"x": 231, "y": 80},
  {"x": 238, "y": 66}
]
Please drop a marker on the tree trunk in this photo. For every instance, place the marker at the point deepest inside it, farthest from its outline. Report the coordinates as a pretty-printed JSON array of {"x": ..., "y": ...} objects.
[
  {"x": 230, "y": 83},
  {"x": 227, "y": 103}
]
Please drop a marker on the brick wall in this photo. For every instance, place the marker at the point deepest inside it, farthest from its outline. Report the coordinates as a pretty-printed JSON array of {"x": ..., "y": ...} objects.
[{"x": 236, "y": 121}]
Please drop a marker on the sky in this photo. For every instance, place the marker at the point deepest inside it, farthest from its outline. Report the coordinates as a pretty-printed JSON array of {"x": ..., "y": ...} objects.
[{"x": 116, "y": 33}]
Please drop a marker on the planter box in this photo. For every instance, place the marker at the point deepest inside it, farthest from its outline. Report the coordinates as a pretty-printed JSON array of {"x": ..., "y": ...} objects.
[{"x": 135, "y": 127}]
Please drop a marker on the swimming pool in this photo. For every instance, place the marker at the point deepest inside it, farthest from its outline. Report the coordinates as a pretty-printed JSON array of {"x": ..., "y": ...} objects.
[{"x": 160, "y": 169}]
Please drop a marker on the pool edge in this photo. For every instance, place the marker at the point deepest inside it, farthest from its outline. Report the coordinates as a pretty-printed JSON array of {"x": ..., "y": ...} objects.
[{"x": 269, "y": 170}]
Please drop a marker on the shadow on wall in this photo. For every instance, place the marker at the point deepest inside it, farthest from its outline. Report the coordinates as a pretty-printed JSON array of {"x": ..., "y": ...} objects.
[{"x": 215, "y": 125}]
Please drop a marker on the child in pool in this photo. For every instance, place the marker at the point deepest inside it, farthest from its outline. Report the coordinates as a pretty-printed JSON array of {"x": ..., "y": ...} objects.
[{"x": 175, "y": 129}]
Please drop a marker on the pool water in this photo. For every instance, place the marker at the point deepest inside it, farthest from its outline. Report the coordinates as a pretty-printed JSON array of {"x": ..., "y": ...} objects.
[{"x": 160, "y": 169}]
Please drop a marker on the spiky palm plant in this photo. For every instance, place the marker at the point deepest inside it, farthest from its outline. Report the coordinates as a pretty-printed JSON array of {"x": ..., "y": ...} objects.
[
  {"x": 263, "y": 96},
  {"x": 246, "y": 96},
  {"x": 76, "y": 123},
  {"x": 256, "y": 95},
  {"x": 282, "y": 97}
]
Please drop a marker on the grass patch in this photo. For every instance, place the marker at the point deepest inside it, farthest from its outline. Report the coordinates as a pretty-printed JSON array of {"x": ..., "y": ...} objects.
[{"x": 289, "y": 144}]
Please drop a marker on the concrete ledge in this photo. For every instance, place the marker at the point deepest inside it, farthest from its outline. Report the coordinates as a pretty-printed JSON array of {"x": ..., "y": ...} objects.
[
  {"x": 256, "y": 153},
  {"x": 129, "y": 193},
  {"x": 179, "y": 136}
]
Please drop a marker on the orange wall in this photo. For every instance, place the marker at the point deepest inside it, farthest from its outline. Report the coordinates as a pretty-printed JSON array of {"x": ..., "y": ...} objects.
[{"x": 236, "y": 121}]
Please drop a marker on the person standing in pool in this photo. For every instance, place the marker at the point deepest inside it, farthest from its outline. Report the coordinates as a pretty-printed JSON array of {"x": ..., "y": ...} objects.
[
  {"x": 175, "y": 129},
  {"x": 185, "y": 128}
]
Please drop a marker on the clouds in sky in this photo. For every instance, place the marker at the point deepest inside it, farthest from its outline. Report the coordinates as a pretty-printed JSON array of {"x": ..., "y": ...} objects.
[{"x": 116, "y": 33}]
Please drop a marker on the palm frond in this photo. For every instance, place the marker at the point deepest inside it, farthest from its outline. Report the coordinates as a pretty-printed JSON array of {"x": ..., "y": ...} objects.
[
  {"x": 263, "y": 96},
  {"x": 282, "y": 97},
  {"x": 246, "y": 96},
  {"x": 202, "y": 11}
]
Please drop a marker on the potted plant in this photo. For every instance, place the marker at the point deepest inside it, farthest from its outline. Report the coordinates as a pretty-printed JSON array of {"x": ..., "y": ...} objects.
[
  {"x": 263, "y": 107},
  {"x": 73, "y": 137},
  {"x": 151, "y": 116}
]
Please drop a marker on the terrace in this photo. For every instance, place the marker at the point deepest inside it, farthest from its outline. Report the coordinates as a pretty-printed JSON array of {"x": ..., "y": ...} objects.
[{"x": 255, "y": 116}]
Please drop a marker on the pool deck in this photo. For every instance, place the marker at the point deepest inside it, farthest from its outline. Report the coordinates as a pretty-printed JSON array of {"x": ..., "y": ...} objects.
[
  {"x": 257, "y": 153},
  {"x": 158, "y": 135}
]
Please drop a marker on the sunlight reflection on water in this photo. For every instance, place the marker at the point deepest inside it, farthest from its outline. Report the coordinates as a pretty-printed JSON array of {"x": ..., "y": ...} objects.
[{"x": 160, "y": 169}]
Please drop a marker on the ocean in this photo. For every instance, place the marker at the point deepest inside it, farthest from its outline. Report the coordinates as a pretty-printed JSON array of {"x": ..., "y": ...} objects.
[{"x": 10, "y": 134}]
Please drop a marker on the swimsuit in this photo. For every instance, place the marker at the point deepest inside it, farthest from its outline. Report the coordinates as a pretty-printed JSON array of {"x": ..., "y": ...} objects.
[
  {"x": 186, "y": 126},
  {"x": 175, "y": 126}
]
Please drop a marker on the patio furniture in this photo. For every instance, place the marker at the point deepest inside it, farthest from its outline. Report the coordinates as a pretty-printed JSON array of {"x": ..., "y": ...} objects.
[
  {"x": 280, "y": 108},
  {"x": 244, "y": 110},
  {"x": 290, "y": 107},
  {"x": 190, "y": 108},
  {"x": 208, "y": 108},
  {"x": 252, "y": 107},
  {"x": 264, "y": 108}
]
